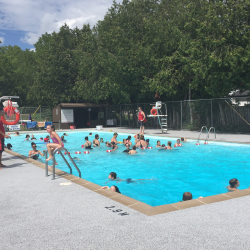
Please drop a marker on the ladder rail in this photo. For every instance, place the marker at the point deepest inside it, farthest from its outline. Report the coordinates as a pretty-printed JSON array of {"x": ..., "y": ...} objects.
[
  {"x": 54, "y": 162},
  {"x": 209, "y": 133},
  {"x": 201, "y": 132}
]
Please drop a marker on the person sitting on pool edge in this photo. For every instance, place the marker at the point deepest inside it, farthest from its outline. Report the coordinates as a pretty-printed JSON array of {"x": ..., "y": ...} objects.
[
  {"x": 133, "y": 151},
  {"x": 112, "y": 188},
  {"x": 178, "y": 143},
  {"x": 233, "y": 185}
]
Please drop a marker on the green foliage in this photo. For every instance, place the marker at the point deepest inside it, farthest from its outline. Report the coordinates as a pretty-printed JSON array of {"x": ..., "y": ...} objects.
[{"x": 142, "y": 47}]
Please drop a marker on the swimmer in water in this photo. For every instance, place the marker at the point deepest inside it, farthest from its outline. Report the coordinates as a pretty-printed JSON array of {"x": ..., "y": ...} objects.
[
  {"x": 32, "y": 137},
  {"x": 27, "y": 137},
  {"x": 87, "y": 144},
  {"x": 76, "y": 159},
  {"x": 147, "y": 141},
  {"x": 133, "y": 151},
  {"x": 233, "y": 185},
  {"x": 127, "y": 148},
  {"x": 90, "y": 134},
  {"x": 96, "y": 142},
  {"x": 178, "y": 143},
  {"x": 41, "y": 139},
  {"x": 183, "y": 139},
  {"x": 17, "y": 133},
  {"x": 57, "y": 143},
  {"x": 62, "y": 138},
  {"x": 113, "y": 177},
  {"x": 169, "y": 145},
  {"x": 114, "y": 138},
  {"x": 65, "y": 134},
  {"x": 143, "y": 143},
  {"x": 34, "y": 153},
  {"x": 128, "y": 140},
  {"x": 101, "y": 140},
  {"x": 114, "y": 146},
  {"x": 9, "y": 146},
  {"x": 112, "y": 188},
  {"x": 158, "y": 145}
]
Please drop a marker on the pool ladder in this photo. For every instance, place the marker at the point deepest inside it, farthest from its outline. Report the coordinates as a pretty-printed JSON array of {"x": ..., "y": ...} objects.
[
  {"x": 208, "y": 132},
  {"x": 54, "y": 162}
]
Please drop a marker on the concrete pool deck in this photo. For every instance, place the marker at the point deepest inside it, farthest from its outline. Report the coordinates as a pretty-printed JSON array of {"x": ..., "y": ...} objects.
[{"x": 38, "y": 213}]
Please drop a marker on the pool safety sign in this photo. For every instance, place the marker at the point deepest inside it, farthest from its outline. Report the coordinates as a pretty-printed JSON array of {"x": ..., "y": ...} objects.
[
  {"x": 67, "y": 115},
  {"x": 14, "y": 127}
]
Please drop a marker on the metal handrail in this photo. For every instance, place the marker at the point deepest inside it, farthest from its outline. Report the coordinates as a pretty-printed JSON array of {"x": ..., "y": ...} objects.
[
  {"x": 209, "y": 133},
  {"x": 200, "y": 133},
  {"x": 54, "y": 162}
]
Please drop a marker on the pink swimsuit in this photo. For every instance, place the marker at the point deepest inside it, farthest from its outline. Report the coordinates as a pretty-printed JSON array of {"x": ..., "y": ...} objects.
[{"x": 56, "y": 141}]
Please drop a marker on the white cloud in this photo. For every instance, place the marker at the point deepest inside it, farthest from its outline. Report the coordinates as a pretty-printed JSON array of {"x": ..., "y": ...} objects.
[
  {"x": 33, "y": 49},
  {"x": 2, "y": 40},
  {"x": 39, "y": 16}
]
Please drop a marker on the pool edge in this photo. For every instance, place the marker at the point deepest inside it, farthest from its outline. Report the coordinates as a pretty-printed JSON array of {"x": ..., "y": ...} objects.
[{"x": 135, "y": 204}]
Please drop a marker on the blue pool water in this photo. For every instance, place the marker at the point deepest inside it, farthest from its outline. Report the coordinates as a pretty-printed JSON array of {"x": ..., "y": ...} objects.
[{"x": 202, "y": 170}]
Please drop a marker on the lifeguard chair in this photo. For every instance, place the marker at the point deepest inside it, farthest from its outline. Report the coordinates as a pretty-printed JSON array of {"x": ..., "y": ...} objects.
[{"x": 158, "y": 111}]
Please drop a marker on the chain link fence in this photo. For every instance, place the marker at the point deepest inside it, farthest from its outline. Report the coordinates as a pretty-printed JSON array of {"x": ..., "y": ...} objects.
[
  {"x": 38, "y": 114},
  {"x": 226, "y": 114}
]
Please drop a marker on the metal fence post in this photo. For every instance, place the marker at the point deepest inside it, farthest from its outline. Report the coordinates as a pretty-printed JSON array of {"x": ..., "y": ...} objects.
[
  {"x": 40, "y": 113},
  {"x": 120, "y": 116},
  {"x": 181, "y": 115},
  {"x": 211, "y": 113}
]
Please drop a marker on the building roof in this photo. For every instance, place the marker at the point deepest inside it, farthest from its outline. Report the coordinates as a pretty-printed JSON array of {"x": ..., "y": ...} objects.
[{"x": 80, "y": 105}]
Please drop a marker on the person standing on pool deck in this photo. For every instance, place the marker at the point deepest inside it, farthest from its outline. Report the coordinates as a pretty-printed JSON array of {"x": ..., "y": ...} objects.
[
  {"x": 57, "y": 143},
  {"x": 2, "y": 136},
  {"x": 141, "y": 119}
]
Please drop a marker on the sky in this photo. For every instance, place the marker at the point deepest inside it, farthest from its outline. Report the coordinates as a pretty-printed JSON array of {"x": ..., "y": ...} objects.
[{"x": 22, "y": 22}]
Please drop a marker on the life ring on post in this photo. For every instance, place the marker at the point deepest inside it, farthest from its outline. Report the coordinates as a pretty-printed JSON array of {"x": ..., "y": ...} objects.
[
  {"x": 153, "y": 111},
  {"x": 16, "y": 111}
]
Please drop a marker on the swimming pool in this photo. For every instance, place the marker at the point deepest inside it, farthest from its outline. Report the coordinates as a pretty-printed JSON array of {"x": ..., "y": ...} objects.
[{"x": 202, "y": 170}]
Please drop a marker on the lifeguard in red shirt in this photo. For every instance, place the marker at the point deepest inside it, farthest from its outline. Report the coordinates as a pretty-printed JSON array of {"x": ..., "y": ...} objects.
[
  {"x": 142, "y": 120},
  {"x": 2, "y": 136}
]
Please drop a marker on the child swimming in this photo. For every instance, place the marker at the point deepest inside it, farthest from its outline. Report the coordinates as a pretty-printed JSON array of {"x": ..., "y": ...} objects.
[{"x": 57, "y": 143}]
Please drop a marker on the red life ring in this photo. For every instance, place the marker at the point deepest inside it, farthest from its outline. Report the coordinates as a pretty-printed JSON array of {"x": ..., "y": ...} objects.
[
  {"x": 153, "y": 112},
  {"x": 17, "y": 116}
]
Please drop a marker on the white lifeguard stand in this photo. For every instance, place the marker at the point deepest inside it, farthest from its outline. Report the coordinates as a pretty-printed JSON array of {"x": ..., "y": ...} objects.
[{"x": 162, "y": 118}]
